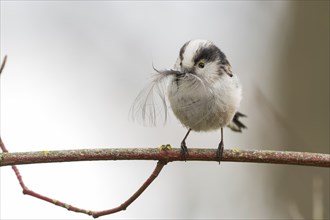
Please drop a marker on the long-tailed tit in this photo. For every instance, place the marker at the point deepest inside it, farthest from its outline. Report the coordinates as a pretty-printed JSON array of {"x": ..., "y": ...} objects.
[{"x": 202, "y": 91}]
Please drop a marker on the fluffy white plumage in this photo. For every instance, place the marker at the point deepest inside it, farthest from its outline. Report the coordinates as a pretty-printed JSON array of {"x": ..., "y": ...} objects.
[
  {"x": 205, "y": 98},
  {"x": 201, "y": 98}
]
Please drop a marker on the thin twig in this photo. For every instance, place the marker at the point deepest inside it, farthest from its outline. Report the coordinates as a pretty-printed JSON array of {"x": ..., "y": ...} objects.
[
  {"x": 195, "y": 154},
  {"x": 145, "y": 185},
  {"x": 95, "y": 214}
]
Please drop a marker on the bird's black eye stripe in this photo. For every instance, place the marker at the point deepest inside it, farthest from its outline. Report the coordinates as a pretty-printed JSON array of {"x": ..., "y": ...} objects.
[{"x": 209, "y": 54}]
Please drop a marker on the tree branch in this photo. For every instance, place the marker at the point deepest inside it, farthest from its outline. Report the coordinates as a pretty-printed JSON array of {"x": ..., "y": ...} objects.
[{"x": 170, "y": 155}]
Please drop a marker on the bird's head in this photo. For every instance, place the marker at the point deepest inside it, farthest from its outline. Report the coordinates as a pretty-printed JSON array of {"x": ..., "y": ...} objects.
[{"x": 202, "y": 58}]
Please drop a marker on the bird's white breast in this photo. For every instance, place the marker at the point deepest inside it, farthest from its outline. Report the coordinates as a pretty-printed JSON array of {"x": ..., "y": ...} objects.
[{"x": 205, "y": 105}]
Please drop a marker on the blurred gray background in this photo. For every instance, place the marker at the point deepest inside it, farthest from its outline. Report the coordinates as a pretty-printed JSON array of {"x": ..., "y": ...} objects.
[{"x": 74, "y": 69}]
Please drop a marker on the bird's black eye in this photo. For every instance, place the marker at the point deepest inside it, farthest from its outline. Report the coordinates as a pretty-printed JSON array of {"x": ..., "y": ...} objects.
[
  {"x": 201, "y": 64},
  {"x": 180, "y": 63}
]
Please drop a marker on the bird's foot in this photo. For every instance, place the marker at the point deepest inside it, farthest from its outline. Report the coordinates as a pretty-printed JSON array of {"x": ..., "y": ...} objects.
[
  {"x": 184, "y": 150},
  {"x": 220, "y": 151}
]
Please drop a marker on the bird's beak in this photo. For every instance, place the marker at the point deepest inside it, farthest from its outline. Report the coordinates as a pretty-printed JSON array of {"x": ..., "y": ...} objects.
[
  {"x": 178, "y": 73},
  {"x": 187, "y": 70}
]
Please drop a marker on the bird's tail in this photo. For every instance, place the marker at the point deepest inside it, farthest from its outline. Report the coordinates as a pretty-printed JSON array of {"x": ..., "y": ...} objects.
[{"x": 236, "y": 124}]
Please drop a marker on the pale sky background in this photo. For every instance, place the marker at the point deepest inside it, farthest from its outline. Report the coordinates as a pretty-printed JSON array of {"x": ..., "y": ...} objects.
[{"x": 74, "y": 69}]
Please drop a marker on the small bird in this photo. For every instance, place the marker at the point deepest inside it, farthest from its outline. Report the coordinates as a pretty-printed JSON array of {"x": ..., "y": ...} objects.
[{"x": 202, "y": 90}]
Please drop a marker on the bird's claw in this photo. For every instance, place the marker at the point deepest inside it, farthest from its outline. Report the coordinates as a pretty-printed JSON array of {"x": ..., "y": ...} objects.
[
  {"x": 184, "y": 150},
  {"x": 220, "y": 151}
]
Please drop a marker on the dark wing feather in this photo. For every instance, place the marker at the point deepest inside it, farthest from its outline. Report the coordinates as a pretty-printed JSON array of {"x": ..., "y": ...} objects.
[{"x": 236, "y": 124}]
